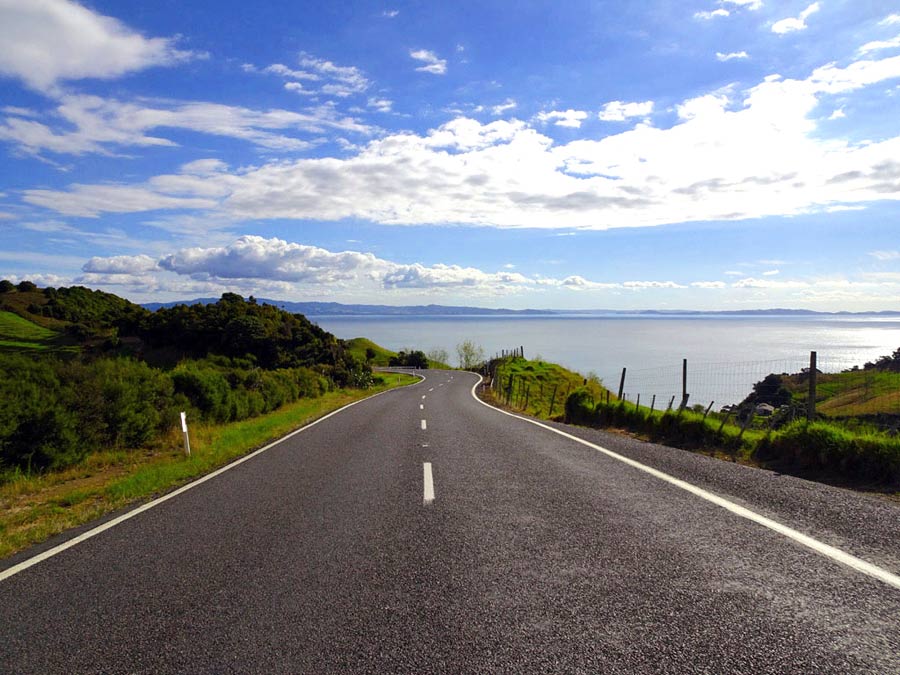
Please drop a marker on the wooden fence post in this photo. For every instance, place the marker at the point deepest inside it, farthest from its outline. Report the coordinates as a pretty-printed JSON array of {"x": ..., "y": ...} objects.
[
  {"x": 811, "y": 396},
  {"x": 621, "y": 384}
]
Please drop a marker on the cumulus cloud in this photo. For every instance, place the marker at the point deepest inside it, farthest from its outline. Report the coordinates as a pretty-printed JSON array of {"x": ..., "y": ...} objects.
[
  {"x": 49, "y": 41},
  {"x": 564, "y": 118},
  {"x": 433, "y": 64},
  {"x": 121, "y": 264},
  {"x": 254, "y": 263},
  {"x": 796, "y": 23},
  {"x": 617, "y": 111},
  {"x": 752, "y": 154}
]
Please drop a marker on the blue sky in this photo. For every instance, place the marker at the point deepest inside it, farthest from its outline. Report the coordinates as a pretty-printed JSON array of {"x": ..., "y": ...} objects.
[{"x": 717, "y": 154}]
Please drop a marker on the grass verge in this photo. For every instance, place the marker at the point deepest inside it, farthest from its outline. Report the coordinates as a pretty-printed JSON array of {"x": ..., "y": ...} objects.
[
  {"x": 821, "y": 451},
  {"x": 35, "y": 508}
]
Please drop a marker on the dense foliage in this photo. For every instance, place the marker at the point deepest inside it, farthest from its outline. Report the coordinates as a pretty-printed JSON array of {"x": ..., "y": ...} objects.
[{"x": 227, "y": 361}]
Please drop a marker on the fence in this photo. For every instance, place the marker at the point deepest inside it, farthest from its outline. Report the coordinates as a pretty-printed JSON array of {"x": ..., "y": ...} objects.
[{"x": 815, "y": 385}]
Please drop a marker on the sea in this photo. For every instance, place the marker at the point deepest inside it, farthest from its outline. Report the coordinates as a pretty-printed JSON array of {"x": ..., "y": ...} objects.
[{"x": 721, "y": 356}]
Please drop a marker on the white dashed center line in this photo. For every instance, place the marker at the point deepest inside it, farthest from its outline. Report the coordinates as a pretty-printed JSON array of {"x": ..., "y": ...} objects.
[
  {"x": 428, "y": 485},
  {"x": 424, "y": 426}
]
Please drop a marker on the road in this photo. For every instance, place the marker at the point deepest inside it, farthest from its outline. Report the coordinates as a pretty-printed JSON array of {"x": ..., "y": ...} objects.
[{"x": 532, "y": 552}]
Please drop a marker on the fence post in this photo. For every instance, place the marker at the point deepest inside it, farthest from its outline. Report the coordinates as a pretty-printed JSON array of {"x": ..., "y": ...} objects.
[
  {"x": 671, "y": 402},
  {"x": 722, "y": 426},
  {"x": 652, "y": 403},
  {"x": 638, "y": 402},
  {"x": 684, "y": 394},
  {"x": 708, "y": 408},
  {"x": 553, "y": 399},
  {"x": 811, "y": 397},
  {"x": 187, "y": 441},
  {"x": 621, "y": 384}
]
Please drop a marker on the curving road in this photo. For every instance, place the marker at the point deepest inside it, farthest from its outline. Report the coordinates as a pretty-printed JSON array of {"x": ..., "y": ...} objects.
[{"x": 421, "y": 531}]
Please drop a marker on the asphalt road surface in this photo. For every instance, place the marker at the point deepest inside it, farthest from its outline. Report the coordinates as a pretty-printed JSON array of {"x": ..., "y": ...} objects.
[{"x": 422, "y": 531}]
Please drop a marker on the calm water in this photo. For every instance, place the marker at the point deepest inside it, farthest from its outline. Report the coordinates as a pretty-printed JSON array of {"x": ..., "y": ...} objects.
[{"x": 726, "y": 355}]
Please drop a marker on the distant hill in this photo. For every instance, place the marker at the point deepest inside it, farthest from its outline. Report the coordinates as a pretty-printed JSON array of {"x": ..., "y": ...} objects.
[{"x": 338, "y": 309}]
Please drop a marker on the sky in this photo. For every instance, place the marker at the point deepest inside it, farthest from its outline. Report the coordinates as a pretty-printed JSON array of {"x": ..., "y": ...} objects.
[{"x": 679, "y": 154}]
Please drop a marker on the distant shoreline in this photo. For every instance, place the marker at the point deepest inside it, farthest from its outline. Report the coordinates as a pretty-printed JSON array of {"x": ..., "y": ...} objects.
[{"x": 335, "y": 309}]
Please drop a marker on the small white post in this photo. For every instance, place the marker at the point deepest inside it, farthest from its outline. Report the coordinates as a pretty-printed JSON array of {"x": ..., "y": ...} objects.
[{"x": 187, "y": 441}]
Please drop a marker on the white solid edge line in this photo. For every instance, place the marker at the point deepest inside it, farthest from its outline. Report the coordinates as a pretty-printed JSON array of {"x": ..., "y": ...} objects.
[
  {"x": 819, "y": 547},
  {"x": 49, "y": 553},
  {"x": 427, "y": 484}
]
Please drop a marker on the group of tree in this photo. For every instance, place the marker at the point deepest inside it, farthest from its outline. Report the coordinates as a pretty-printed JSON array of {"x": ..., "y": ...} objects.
[
  {"x": 226, "y": 361},
  {"x": 409, "y": 359}
]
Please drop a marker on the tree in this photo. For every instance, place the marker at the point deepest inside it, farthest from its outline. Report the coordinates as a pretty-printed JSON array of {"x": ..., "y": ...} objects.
[
  {"x": 6, "y": 286},
  {"x": 26, "y": 287},
  {"x": 439, "y": 356},
  {"x": 470, "y": 355}
]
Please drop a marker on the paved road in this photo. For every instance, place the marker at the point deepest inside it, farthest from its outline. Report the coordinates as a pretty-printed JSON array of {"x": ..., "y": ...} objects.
[{"x": 537, "y": 554}]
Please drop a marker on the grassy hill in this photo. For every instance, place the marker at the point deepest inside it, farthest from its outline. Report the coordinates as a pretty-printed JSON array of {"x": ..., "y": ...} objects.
[
  {"x": 539, "y": 388},
  {"x": 19, "y": 333},
  {"x": 360, "y": 348},
  {"x": 855, "y": 393}
]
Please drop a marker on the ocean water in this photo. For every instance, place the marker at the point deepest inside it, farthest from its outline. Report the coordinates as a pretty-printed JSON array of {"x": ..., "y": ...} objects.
[{"x": 725, "y": 354}]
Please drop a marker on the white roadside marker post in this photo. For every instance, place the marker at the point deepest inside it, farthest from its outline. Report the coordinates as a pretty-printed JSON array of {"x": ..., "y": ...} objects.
[{"x": 187, "y": 441}]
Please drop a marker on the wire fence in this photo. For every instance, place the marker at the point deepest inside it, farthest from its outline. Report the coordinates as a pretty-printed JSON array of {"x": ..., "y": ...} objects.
[{"x": 869, "y": 393}]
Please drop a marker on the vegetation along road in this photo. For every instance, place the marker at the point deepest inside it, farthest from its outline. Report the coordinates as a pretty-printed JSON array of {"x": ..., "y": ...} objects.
[{"x": 422, "y": 531}]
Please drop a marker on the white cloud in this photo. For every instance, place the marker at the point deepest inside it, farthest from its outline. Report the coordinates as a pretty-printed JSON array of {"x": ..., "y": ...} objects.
[
  {"x": 751, "y": 154},
  {"x": 382, "y": 105},
  {"x": 433, "y": 64},
  {"x": 877, "y": 45},
  {"x": 284, "y": 71},
  {"x": 251, "y": 260},
  {"x": 102, "y": 126},
  {"x": 640, "y": 285},
  {"x": 390, "y": 13},
  {"x": 341, "y": 81},
  {"x": 709, "y": 284},
  {"x": 797, "y": 23},
  {"x": 49, "y": 41},
  {"x": 885, "y": 256},
  {"x": 329, "y": 78},
  {"x": 91, "y": 200},
  {"x": 771, "y": 273},
  {"x": 617, "y": 111},
  {"x": 732, "y": 55},
  {"x": 564, "y": 118},
  {"x": 750, "y": 282},
  {"x": 500, "y": 108},
  {"x": 837, "y": 114},
  {"x": 121, "y": 264},
  {"x": 752, "y": 5},
  {"x": 891, "y": 20},
  {"x": 706, "y": 16}
]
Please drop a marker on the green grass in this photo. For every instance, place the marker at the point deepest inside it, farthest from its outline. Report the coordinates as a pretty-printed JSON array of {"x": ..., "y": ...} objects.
[
  {"x": 851, "y": 394},
  {"x": 35, "y": 507},
  {"x": 17, "y": 333},
  {"x": 820, "y": 450},
  {"x": 542, "y": 386},
  {"x": 358, "y": 346}
]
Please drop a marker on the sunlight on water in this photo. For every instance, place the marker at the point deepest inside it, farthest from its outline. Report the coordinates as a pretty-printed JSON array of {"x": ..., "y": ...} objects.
[{"x": 726, "y": 355}]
